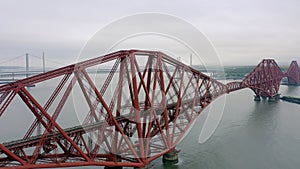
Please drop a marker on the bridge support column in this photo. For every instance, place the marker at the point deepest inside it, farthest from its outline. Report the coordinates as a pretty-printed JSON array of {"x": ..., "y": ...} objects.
[
  {"x": 106, "y": 167},
  {"x": 274, "y": 98},
  {"x": 264, "y": 97},
  {"x": 171, "y": 157},
  {"x": 145, "y": 167},
  {"x": 117, "y": 159},
  {"x": 257, "y": 98}
]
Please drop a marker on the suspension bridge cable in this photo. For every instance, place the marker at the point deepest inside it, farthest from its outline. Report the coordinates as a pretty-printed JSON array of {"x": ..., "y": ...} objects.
[
  {"x": 12, "y": 59},
  {"x": 48, "y": 60}
]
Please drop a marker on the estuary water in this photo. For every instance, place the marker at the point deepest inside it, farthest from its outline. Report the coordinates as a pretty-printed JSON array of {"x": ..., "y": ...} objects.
[
  {"x": 260, "y": 135},
  {"x": 251, "y": 135}
]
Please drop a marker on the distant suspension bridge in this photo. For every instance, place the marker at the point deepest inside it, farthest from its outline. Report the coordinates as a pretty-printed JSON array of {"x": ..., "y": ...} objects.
[
  {"x": 153, "y": 104},
  {"x": 14, "y": 68}
]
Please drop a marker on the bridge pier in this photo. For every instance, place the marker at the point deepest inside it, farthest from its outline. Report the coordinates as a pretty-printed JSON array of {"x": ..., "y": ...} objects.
[
  {"x": 171, "y": 157},
  {"x": 116, "y": 159},
  {"x": 274, "y": 98},
  {"x": 257, "y": 98},
  {"x": 264, "y": 97},
  {"x": 107, "y": 167},
  {"x": 145, "y": 167}
]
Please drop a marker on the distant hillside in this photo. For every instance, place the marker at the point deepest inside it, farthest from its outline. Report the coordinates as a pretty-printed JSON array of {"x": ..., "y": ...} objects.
[{"x": 231, "y": 72}]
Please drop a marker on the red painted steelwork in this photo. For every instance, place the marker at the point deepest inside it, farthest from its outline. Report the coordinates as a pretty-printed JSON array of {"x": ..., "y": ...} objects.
[
  {"x": 146, "y": 114},
  {"x": 293, "y": 74},
  {"x": 265, "y": 79}
]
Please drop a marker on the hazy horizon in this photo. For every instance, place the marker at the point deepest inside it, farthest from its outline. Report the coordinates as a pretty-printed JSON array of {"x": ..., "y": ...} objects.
[{"x": 242, "y": 32}]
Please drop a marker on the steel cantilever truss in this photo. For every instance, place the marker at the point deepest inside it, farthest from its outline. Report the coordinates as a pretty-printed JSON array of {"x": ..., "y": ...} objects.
[
  {"x": 152, "y": 102},
  {"x": 266, "y": 77},
  {"x": 293, "y": 74},
  {"x": 151, "y": 107}
]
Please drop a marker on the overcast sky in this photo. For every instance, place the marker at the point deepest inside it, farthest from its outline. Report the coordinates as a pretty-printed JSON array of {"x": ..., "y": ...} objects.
[{"x": 243, "y": 32}]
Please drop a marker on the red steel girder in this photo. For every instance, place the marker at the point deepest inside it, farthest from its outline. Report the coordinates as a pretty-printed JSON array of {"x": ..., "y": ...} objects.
[
  {"x": 293, "y": 74},
  {"x": 265, "y": 79},
  {"x": 151, "y": 107}
]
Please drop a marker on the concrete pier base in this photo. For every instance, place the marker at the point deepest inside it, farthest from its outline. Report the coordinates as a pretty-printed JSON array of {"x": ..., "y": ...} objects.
[
  {"x": 171, "y": 157},
  {"x": 257, "y": 98},
  {"x": 117, "y": 159},
  {"x": 106, "y": 167},
  {"x": 274, "y": 99},
  {"x": 264, "y": 97},
  {"x": 145, "y": 167}
]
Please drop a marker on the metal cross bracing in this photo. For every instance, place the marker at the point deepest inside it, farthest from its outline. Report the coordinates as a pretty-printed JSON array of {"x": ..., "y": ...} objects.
[
  {"x": 153, "y": 101},
  {"x": 293, "y": 74},
  {"x": 265, "y": 79}
]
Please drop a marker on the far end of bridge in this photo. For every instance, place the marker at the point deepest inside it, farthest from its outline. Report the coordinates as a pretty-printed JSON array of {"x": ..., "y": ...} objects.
[{"x": 143, "y": 117}]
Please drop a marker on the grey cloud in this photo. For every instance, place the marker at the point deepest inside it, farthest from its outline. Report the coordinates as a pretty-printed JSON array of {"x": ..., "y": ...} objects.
[{"x": 239, "y": 29}]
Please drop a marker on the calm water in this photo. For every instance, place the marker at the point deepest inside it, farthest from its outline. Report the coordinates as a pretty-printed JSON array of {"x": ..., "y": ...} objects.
[{"x": 259, "y": 135}]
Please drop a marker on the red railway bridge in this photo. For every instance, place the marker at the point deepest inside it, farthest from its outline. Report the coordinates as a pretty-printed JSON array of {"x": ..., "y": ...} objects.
[{"x": 153, "y": 104}]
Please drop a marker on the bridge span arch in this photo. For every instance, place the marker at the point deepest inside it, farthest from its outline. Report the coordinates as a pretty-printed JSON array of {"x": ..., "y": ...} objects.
[
  {"x": 265, "y": 79},
  {"x": 153, "y": 103},
  {"x": 293, "y": 73}
]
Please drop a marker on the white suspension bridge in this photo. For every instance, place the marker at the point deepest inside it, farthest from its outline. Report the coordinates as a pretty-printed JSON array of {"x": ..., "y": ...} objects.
[{"x": 16, "y": 68}]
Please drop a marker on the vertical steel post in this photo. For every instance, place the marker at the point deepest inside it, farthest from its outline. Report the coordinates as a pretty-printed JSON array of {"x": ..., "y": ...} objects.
[
  {"x": 44, "y": 64},
  {"x": 27, "y": 65},
  {"x": 136, "y": 106},
  {"x": 191, "y": 60}
]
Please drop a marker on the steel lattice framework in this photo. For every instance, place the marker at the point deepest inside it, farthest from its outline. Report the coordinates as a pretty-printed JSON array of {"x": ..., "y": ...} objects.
[
  {"x": 153, "y": 102},
  {"x": 265, "y": 79},
  {"x": 293, "y": 73}
]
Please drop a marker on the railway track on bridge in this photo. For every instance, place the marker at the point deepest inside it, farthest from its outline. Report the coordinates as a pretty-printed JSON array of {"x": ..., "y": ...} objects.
[{"x": 152, "y": 106}]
